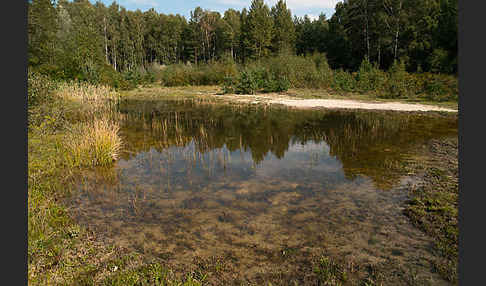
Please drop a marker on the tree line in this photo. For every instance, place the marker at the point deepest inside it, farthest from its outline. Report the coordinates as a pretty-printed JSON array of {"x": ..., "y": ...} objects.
[{"x": 78, "y": 39}]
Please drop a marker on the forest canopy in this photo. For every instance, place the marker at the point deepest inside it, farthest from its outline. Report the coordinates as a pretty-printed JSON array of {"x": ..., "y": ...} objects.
[{"x": 94, "y": 42}]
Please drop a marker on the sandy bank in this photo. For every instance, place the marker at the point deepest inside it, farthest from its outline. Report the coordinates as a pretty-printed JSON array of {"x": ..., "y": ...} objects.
[
  {"x": 352, "y": 104},
  {"x": 332, "y": 103}
]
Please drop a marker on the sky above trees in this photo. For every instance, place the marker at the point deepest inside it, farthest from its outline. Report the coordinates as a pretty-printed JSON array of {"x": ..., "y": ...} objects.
[{"x": 312, "y": 8}]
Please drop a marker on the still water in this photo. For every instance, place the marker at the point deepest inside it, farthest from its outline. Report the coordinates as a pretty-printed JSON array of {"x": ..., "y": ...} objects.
[{"x": 262, "y": 192}]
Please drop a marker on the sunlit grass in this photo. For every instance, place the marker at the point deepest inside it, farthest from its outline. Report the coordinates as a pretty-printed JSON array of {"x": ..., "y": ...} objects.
[
  {"x": 94, "y": 143},
  {"x": 85, "y": 92}
]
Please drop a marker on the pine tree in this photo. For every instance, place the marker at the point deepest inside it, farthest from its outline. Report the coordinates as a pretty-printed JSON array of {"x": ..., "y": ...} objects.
[
  {"x": 258, "y": 30},
  {"x": 42, "y": 28},
  {"x": 284, "y": 30},
  {"x": 233, "y": 20}
]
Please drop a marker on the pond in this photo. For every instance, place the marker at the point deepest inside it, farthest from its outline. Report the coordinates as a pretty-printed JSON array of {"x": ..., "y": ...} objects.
[{"x": 258, "y": 193}]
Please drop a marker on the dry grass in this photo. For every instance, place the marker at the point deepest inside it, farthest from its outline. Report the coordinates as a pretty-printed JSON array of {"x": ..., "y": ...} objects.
[
  {"x": 85, "y": 92},
  {"x": 94, "y": 139},
  {"x": 93, "y": 143}
]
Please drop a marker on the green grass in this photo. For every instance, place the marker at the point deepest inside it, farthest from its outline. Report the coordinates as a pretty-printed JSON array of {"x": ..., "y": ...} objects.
[
  {"x": 95, "y": 143},
  {"x": 329, "y": 272},
  {"x": 433, "y": 206}
]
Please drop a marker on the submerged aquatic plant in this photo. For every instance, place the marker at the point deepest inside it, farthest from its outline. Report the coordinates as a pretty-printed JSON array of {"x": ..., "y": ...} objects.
[{"x": 93, "y": 143}]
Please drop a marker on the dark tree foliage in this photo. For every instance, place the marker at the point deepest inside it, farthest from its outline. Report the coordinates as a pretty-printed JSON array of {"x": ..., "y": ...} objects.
[
  {"x": 257, "y": 32},
  {"x": 283, "y": 39},
  {"x": 94, "y": 42}
]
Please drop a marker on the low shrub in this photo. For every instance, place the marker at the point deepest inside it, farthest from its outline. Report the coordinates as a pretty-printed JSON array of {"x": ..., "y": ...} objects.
[
  {"x": 139, "y": 76},
  {"x": 281, "y": 72},
  {"x": 247, "y": 82},
  {"x": 343, "y": 81},
  {"x": 45, "y": 113},
  {"x": 206, "y": 74},
  {"x": 398, "y": 82},
  {"x": 47, "y": 118},
  {"x": 437, "y": 87},
  {"x": 310, "y": 71},
  {"x": 40, "y": 88},
  {"x": 256, "y": 78},
  {"x": 279, "y": 84},
  {"x": 370, "y": 78},
  {"x": 229, "y": 84}
]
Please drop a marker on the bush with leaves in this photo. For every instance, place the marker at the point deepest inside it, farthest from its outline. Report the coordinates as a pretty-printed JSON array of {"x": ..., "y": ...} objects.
[
  {"x": 40, "y": 88},
  {"x": 438, "y": 87},
  {"x": 204, "y": 74},
  {"x": 229, "y": 84},
  {"x": 256, "y": 78},
  {"x": 398, "y": 82},
  {"x": 301, "y": 72},
  {"x": 370, "y": 78},
  {"x": 247, "y": 83},
  {"x": 343, "y": 81}
]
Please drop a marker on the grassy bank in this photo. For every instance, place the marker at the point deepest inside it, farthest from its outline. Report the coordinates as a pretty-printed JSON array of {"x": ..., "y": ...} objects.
[
  {"x": 154, "y": 91},
  {"x": 434, "y": 205},
  {"x": 70, "y": 130}
]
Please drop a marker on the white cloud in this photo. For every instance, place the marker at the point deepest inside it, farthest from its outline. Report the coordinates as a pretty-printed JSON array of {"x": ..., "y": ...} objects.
[
  {"x": 312, "y": 17},
  {"x": 298, "y": 4},
  {"x": 292, "y": 4},
  {"x": 152, "y": 3},
  {"x": 234, "y": 2}
]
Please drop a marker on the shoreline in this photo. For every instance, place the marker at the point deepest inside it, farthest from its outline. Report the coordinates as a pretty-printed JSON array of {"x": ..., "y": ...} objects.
[
  {"x": 303, "y": 103},
  {"x": 295, "y": 98}
]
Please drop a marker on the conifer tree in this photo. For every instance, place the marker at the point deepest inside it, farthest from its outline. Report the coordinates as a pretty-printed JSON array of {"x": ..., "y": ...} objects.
[
  {"x": 283, "y": 29},
  {"x": 258, "y": 30},
  {"x": 233, "y": 20},
  {"x": 42, "y": 29}
]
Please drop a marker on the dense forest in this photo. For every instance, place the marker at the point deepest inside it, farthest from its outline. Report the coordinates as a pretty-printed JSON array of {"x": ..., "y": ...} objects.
[{"x": 80, "y": 40}]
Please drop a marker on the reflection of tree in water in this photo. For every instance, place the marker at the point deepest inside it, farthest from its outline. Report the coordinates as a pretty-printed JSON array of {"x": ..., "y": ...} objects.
[
  {"x": 369, "y": 143},
  {"x": 376, "y": 143}
]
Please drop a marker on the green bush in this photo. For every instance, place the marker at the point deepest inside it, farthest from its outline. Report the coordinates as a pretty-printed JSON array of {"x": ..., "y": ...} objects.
[
  {"x": 48, "y": 117},
  {"x": 45, "y": 112},
  {"x": 437, "y": 87},
  {"x": 281, "y": 84},
  {"x": 229, "y": 84},
  {"x": 279, "y": 73},
  {"x": 343, "y": 81},
  {"x": 256, "y": 78},
  {"x": 247, "y": 83},
  {"x": 40, "y": 88},
  {"x": 370, "y": 78},
  {"x": 301, "y": 72},
  {"x": 206, "y": 74},
  {"x": 398, "y": 82}
]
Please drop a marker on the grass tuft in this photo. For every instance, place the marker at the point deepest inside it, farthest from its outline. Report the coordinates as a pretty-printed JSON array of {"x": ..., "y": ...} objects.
[{"x": 94, "y": 143}]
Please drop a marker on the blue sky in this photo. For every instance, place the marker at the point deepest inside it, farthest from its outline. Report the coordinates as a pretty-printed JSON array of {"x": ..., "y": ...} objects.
[{"x": 183, "y": 7}]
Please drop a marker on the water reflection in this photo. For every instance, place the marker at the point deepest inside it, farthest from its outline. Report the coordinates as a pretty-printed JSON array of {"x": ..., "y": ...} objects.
[
  {"x": 367, "y": 143},
  {"x": 245, "y": 183}
]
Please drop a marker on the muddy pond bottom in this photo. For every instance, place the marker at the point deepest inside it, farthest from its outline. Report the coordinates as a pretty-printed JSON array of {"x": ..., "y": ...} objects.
[{"x": 251, "y": 194}]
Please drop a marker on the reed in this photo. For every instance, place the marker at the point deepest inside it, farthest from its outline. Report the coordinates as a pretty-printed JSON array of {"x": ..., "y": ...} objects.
[{"x": 86, "y": 92}]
